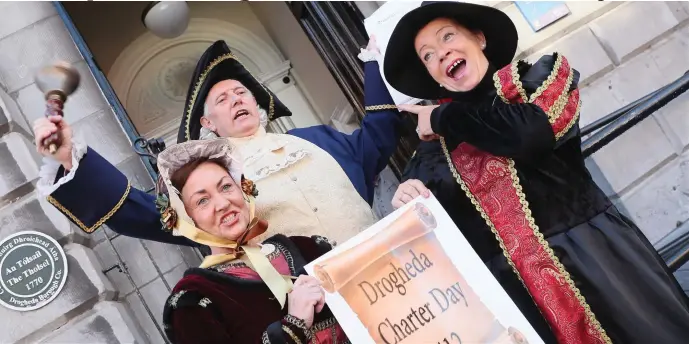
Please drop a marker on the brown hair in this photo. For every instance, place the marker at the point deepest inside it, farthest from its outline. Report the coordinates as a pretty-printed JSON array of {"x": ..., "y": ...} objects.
[{"x": 179, "y": 177}]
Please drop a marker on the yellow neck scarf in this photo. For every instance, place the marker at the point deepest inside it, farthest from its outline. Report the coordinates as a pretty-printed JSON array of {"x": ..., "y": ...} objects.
[{"x": 278, "y": 284}]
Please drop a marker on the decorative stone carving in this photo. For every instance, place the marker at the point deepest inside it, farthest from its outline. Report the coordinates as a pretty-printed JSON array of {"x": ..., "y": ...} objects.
[
  {"x": 174, "y": 78},
  {"x": 152, "y": 76}
]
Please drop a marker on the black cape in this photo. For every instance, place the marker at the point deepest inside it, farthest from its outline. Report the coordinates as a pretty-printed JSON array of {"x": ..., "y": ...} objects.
[{"x": 626, "y": 283}]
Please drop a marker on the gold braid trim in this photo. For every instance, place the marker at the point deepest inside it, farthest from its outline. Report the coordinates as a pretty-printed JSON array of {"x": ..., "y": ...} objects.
[
  {"x": 518, "y": 82},
  {"x": 561, "y": 268},
  {"x": 381, "y": 107},
  {"x": 498, "y": 87},
  {"x": 202, "y": 78},
  {"x": 554, "y": 112},
  {"x": 570, "y": 124},
  {"x": 291, "y": 334},
  {"x": 100, "y": 222},
  {"x": 478, "y": 207},
  {"x": 546, "y": 84},
  {"x": 290, "y": 319}
]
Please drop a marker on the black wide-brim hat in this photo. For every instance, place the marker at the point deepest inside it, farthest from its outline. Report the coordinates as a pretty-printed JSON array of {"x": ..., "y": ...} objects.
[
  {"x": 403, "y": 68},
  {"x": 217, "y": 64}
]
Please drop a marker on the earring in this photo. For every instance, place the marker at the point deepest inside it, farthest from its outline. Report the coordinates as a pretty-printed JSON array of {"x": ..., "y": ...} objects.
[
  {"x": 483, "y": 45},
  {"x": 441, "y": 85}
]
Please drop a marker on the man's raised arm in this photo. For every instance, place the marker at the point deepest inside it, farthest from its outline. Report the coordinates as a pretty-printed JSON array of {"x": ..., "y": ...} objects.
[{"x": 91, "y": 192}]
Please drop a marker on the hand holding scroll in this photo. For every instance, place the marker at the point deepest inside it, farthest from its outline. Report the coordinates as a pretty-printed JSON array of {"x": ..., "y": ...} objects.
[
  {"x": 408, "y": 191},
  {"x": 373, "y": 45},
  {"x": 306, "y": 299}
]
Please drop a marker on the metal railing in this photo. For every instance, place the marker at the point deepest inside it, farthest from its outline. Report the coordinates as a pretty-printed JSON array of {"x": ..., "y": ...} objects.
[
  {"x": 674, "y": 248},
  {"x": 618, "y": 122}
]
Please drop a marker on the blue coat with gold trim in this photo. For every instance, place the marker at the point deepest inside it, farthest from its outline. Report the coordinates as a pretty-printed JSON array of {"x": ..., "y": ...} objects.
[{"x": 100, "y": 194}]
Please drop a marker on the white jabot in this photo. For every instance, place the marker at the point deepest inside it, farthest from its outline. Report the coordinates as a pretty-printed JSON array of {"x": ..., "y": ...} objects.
[{"x": 302, "y": 190}]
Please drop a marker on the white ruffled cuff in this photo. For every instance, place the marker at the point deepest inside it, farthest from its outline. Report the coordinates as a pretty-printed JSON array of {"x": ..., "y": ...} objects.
[
  {"x": 48, "y": 171},
  {"x": 368, "y": 56}
]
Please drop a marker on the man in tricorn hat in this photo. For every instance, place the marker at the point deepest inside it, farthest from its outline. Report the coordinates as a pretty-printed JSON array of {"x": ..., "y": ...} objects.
[{"x": 313, "y": 181}]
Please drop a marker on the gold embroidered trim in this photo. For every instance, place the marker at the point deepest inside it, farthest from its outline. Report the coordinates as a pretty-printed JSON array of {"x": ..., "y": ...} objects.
[
  {"x": 478, "y": 207},
  {"x": 323, "y": 325},
  {"x": 545, "y": 85},
  {"x": 290, "y": 319},
  {"x": 555, "y": 111},
  {"x": 291, "y": 334},
  {"x": 175, "y": 298},
  {"x": 202, "y": 78},
  {"x": 381, "y": 107},
  {"x": 514, "y": 71},
  {"x": 561, "y": 268},
  {"x": 100, "y": 222},
  {"x": 570, "y": 124},
  {"x": 498, "y": 87}
]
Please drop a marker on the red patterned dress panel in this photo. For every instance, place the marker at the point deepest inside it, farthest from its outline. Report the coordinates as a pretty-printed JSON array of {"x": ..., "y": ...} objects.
[
  {"x": 557, "y": 88},
  {"x": 509, "y": 89}
]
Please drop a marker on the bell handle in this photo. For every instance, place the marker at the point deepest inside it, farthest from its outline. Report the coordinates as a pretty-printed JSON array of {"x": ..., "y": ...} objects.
[{"x": 54, "y": 107}]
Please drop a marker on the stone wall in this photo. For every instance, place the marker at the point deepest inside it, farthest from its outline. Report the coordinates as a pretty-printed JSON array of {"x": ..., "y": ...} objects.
[
  {"x": 623, "y": 50},
  {"x": 94, "y": 306}
]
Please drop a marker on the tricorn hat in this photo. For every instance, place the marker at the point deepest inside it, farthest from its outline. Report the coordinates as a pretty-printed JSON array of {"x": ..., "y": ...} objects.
[
  {"x": 404, "y": 70},
  {"x": 217, "y": 64}
]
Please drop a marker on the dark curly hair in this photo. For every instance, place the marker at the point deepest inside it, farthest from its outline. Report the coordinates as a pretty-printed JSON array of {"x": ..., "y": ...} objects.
[{"x": 179, "y": 177}]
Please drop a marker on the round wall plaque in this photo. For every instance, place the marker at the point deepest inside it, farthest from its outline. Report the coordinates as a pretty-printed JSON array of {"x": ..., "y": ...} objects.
[{"x": 33, "y": 270}]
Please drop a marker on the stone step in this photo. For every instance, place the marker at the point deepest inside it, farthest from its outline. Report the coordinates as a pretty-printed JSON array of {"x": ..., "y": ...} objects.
[
  {"x": 108, "y": 322},
  {"x": 11, "y": 119},
  {"x": 86, "y": 285},
  {"x": 19, "y": 165},
  {"x": 33, "y": 213}
]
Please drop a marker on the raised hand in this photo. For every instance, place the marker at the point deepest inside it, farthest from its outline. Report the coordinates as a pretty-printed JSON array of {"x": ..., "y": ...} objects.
[
  {"x": 423, "y": 112},
  {"x": 44, "y": 128},
  {"x": 373, "y": 45}
]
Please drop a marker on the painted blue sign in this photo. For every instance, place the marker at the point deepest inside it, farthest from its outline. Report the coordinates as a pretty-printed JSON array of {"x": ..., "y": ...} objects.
[{"x": 540, "y": 14}]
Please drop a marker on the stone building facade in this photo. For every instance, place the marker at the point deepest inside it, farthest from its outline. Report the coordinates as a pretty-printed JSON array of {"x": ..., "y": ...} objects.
[{"x": 623, "y": 51}]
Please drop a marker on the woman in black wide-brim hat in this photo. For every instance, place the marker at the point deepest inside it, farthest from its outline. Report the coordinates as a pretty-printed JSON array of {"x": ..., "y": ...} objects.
[{"x": 504, "y": 159}]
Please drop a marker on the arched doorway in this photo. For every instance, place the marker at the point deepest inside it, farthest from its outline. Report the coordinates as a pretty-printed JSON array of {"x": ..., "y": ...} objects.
[{"x": 151, "y": 76}]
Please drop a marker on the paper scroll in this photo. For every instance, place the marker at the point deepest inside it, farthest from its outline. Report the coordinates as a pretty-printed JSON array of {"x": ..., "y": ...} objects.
[
  {"x": 404, "y": 288},
  {"x": 381, "y": 24}
]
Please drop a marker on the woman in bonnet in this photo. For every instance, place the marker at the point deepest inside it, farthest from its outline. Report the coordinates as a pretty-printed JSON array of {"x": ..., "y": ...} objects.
[
  {"x": 242, "y": 292},
  {"x": 503, "y": 157}
]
